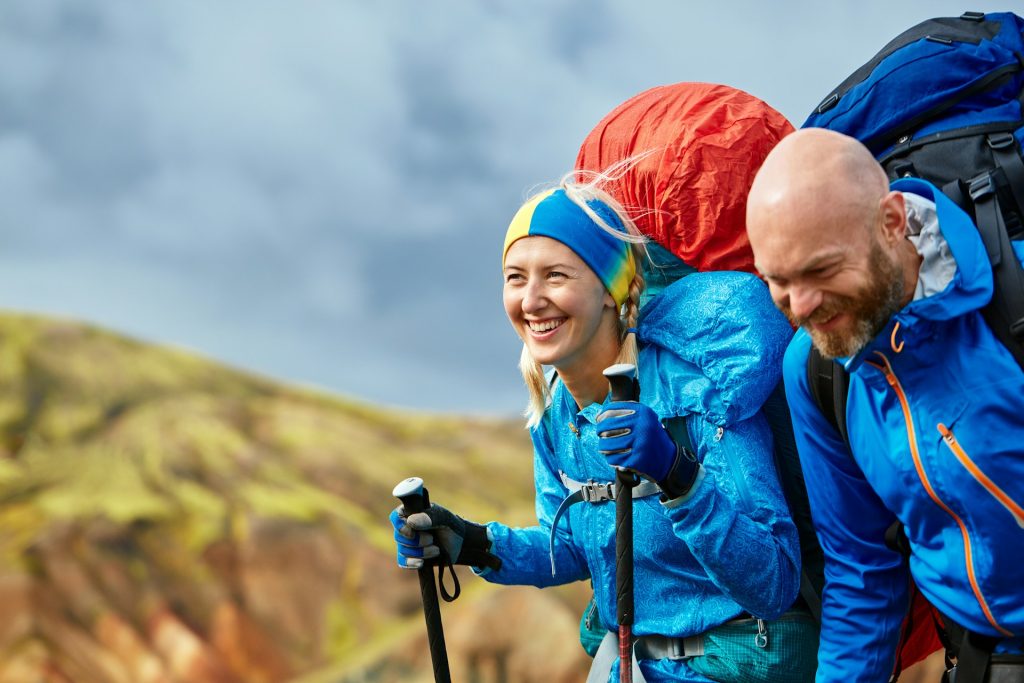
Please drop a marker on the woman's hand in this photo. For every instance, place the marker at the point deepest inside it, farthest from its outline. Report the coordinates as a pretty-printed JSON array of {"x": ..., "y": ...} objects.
[
  {"x": 464, "y": 542},
  {"x": 632, "y": 437}
]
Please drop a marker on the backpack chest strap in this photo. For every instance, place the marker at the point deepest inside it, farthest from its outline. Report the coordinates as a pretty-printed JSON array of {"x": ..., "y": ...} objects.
[
  {"x": 598, "y": 491},
  {"x": 593, "y": 492}
]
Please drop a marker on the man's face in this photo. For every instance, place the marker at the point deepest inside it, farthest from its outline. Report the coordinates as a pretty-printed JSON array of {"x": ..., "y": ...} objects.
[
  {"x": 841, "y": 285},
  {"x": 844, "y": 323}
]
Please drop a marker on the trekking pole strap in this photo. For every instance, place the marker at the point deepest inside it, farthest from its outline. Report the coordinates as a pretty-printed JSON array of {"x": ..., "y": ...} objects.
[{"x": 445, "y": 561}]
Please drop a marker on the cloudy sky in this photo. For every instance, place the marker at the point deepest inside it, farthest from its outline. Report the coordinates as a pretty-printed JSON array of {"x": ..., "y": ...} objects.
[{"x": 318, "y": 190}]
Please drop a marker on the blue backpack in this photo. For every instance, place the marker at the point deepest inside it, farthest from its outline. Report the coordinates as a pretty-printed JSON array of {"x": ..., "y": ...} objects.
[{"x": 944, "y": 101}]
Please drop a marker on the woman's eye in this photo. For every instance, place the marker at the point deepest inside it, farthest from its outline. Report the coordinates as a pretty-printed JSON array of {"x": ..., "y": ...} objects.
[
  {"x": 557, "y": 274},
  {"x": 513, "y": 277}
]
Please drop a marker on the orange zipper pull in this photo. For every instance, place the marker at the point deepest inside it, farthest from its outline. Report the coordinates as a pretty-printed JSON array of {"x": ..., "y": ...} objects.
[
  {"x": 892, "y": 339},
  {"x": 946, "y": 434}
]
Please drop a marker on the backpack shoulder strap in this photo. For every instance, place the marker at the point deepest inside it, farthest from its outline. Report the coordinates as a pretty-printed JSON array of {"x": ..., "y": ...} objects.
[
  {"x": 1009, "y": 276},
  {"x": 829, "y": 383},
  {"x": 791, "y": 476},
  {"x": 680, "y": 433},
  {"x": 1005, "y": 313}
]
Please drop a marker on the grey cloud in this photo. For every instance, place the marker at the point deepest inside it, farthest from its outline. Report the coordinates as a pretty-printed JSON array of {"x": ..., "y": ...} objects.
[{"x": 319, "y": 191}]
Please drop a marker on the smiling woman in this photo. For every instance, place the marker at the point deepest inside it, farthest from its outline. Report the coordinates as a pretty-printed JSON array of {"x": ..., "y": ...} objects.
[{"x": 716, "y": 560}]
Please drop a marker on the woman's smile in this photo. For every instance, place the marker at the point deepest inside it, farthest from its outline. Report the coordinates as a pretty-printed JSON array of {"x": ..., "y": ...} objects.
[{"x": 545, "y": 329}]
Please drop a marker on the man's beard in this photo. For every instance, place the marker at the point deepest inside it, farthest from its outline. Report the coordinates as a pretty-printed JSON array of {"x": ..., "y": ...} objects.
[{"x": 869, "y": 309}]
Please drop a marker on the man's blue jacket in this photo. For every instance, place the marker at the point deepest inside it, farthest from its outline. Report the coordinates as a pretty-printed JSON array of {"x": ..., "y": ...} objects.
[
  {"x": 936, "y": 423},
  {"x": 711, "y": 347}
]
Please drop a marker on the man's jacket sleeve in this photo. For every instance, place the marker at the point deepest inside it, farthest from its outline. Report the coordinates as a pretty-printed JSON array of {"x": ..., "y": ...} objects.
[{"x": 865, "y": 582}]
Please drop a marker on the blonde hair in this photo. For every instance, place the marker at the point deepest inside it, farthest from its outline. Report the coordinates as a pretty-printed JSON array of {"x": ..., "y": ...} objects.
[{"x": 582, "y": 187}]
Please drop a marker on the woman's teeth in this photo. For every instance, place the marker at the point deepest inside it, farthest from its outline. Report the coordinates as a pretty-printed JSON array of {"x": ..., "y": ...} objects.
[{"x": 544, "y": 326}]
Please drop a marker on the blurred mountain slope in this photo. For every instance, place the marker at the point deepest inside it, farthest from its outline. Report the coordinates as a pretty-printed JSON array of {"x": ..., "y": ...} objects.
[{"x": 164, "y": 518}]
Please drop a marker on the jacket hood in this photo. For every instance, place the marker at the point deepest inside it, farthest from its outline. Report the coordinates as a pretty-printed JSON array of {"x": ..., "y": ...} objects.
[
  {"x": 716, "y": 342},
  {"x": 969, "y": 288}
]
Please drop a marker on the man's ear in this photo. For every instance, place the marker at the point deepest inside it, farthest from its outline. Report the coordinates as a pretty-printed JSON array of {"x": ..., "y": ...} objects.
[{"x": 894, "y": 218}]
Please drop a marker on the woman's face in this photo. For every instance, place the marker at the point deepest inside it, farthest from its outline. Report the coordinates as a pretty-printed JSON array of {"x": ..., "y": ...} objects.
[{"x": 557, "y": 304}]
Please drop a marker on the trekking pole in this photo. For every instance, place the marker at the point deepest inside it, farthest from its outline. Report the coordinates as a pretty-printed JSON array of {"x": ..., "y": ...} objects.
[
  {"x": 414, "y": 499},
  {"x": 624, "y": 387}
]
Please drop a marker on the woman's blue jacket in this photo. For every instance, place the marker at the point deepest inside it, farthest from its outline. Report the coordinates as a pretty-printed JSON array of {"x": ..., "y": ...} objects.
[{"x": 711, "y": 348}]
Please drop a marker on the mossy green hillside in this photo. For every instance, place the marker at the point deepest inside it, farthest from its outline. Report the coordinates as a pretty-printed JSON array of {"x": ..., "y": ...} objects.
[{"x": 146, "y": 481}]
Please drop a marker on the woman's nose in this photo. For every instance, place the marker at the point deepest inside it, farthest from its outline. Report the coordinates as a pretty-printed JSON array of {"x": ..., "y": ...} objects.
[{"x": 534, "y": 298}]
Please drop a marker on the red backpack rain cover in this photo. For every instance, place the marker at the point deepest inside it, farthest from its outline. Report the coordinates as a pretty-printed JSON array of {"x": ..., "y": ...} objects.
[{"x": 706, "y": 142}]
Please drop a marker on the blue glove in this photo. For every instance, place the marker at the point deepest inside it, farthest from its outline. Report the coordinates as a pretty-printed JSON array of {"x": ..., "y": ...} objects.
[
  {"x": 631, "y": 437},
  {"x": 463, "y": 542}
]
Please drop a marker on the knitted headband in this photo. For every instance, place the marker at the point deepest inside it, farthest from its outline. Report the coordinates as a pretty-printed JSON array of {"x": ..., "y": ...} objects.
[{"x": 553, "y": 214}]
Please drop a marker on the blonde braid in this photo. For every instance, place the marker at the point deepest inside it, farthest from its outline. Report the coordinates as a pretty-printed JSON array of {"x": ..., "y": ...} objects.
[{"x": 628, "y": 352}]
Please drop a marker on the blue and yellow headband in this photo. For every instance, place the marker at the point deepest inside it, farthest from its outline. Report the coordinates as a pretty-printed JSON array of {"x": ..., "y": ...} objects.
[{"x": 553, "y": 214}]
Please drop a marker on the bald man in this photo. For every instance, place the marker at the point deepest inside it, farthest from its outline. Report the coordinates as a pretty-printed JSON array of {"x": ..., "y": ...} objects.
[{"x": 890, "y": 282}]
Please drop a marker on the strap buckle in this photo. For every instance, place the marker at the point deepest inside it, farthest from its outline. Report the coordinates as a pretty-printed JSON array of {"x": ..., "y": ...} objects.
[
  {"x": 597, "y": 492},
  {"x": 829, "y": 102},
  {"x": 689, "y": 647},
  {"x": 982, "y": 186},
  {"x": 1001, "y": 140},
  {"x": 1017, "y": 330}
]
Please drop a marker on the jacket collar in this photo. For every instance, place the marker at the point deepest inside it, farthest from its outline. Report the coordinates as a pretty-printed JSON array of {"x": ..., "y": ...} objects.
[{"x": 968, "y": 290}]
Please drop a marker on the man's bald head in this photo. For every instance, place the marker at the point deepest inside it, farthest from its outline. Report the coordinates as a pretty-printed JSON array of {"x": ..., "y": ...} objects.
[
  {"x": 829, "y": 237},
  {"x": 817, "y": 174}
]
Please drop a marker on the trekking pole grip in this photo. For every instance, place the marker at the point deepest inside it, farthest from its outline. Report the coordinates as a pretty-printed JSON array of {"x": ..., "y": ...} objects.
[
  {"x": 622, "y": 381},
  {"x": 415, "y": 498}
]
